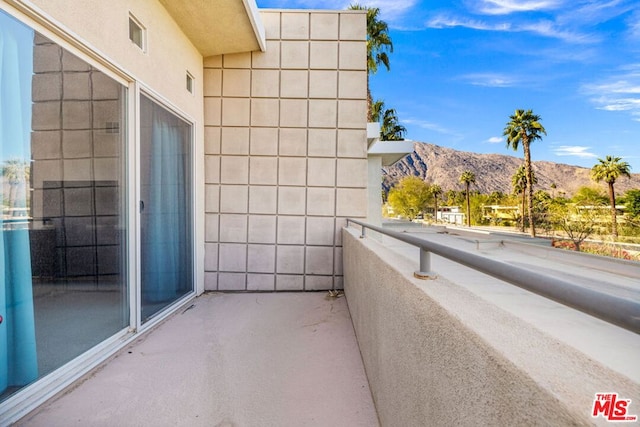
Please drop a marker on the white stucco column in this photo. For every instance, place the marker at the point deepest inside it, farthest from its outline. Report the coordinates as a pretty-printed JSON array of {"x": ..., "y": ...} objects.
[
  {"x": 379, "y": 154},
  {"x": 374, "y": 184}
]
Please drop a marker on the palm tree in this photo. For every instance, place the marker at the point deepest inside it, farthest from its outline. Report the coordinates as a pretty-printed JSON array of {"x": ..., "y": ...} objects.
[
  {"x": 378, "y": 45},
  {"x": 608, "y": 170},
  {"x": 519, "y": 183},
  {"x": 467, "y": 178},
  {"x": 391, "y": 129},
  {"x": 436, "y": 190},
  {"x": 524, "y": 127},
  {"x": 452, "y": 197},
  {"x": 377, "y": 110}
]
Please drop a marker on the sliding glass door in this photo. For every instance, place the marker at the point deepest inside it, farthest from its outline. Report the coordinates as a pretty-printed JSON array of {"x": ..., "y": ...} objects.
[
  {"x": 63, "y": 186},
  {"x": 166, "y": 207},
  {"x": 65, "y": 179}
]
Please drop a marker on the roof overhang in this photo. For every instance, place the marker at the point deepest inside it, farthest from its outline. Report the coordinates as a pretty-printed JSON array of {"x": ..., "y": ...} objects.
[
  {"x": 390, "y": 151},
  {"x": 217, "y": 27}
]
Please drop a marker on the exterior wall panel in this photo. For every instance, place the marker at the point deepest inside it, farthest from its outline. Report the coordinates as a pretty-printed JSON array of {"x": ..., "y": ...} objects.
[{"x": 285, "y": 132}]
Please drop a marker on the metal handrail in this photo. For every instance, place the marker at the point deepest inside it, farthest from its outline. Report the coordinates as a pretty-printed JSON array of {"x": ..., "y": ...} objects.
[{"x": 619, "y": 311}]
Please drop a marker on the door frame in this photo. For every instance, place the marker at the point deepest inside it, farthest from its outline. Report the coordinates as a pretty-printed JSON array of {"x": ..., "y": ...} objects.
[{"x": 138, "y": 90}]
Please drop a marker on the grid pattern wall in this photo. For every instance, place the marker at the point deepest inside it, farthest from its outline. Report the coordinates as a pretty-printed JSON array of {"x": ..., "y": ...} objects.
[{"x": 285, "y": 154}]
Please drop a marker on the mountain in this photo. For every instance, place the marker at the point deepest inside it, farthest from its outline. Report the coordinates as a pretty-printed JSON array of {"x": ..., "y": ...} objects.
[{"x": 444, "y": 166}]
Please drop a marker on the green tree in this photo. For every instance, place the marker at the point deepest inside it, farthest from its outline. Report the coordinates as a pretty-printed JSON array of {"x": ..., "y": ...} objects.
[
  {"x": 541, "y": 210},
  {"x": 477, "y": 203},
  {"x": 377, "y": 111},
  {"x": 609, "y": 170},
  {"x": 468, "y": 178},
  {"x": 519, "y": 183},
  {"x": 632, "y": 203},
  {"x": 379, "y": 45},
  {"x": 589, "y": 196},
  {"x": 436, "y": 191},
  {"x": 523, "y": 128},
  {"x": 454, "y": 198},
  {"x": 577, "y": 222},
  {"x": 390, "y": 128},
  {"x": 496, "y": 198},
  {"x": 410, "y": 197}
]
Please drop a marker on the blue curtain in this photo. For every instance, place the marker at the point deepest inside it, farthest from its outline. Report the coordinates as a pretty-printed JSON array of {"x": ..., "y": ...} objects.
[
  {"x": 166, "y": 239},
  {"x": 18, "y": 361}
]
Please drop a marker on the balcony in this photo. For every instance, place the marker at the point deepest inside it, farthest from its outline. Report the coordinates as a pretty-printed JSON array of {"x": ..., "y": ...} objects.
[
  {"x": 460, "y": 349},
  {"x": 235, "y": 359}
]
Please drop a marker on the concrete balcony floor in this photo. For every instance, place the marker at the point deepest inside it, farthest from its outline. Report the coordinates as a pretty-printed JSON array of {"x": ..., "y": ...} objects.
[{"x": 251, "y": 359}]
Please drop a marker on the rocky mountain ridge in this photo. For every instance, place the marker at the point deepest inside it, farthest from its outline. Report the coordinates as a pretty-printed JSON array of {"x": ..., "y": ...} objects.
[{"x": 444, "y": 166}]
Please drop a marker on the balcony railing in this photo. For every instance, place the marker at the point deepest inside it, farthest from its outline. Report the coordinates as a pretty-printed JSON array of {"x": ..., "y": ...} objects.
[{"x": 610, "y": 308}]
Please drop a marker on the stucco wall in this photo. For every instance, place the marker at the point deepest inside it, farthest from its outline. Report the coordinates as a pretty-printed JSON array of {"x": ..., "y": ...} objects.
[
  {"x": 104, "y": 27},
  {"x": 285, "y": 159},
  {"x": 435, "y": 354}
]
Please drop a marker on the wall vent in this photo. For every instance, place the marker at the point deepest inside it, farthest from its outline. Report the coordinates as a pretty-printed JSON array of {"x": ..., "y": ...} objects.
[
  {"x": 189, "y": 82},
  {"x": 137, "y": 33}
]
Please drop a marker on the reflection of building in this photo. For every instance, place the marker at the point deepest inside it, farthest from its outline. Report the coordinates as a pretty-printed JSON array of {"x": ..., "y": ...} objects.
[
  {"x": 175, "y": 147},
  {"x": 77, "y": 166}
]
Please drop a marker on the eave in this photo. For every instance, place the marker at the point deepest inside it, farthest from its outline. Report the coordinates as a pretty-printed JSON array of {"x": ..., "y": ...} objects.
[{"x": 217, "y": 27}]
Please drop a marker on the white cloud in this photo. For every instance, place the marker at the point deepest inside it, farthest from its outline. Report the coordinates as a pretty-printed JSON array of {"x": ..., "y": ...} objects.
[
  {"x": 620, "y": 86},
  {"x": 505, "y": 7},
  {"x": 594, "y": 12},
  {"x": 618, "y": 93},
  {"x": 495, "y": 140},
  {"x": 619, "y": 104},
  {"x": 551, "y": 30},
  {"x": 447, "y": 22},
  {"x": 490, "y": 79},
  {"x": 541, "y": 28},
  {"x": 425, "y": 124},
  {"x": 634, "y": 25},
  {"x": 575, "y": 151}
]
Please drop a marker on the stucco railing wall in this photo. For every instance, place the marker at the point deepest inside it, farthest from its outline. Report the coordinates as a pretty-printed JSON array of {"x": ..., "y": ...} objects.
[{"x": 436, "y": 354}]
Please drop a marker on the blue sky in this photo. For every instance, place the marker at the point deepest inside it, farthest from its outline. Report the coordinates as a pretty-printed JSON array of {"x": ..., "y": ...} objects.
[{"x": 461, "y": 67}]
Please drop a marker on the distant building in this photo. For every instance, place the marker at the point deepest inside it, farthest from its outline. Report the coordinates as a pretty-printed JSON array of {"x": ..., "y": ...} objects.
[{"x": 450, "y": 215}]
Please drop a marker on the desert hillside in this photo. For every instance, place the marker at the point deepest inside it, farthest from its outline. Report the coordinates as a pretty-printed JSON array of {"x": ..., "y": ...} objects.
[{"x": 493, "y": 171}]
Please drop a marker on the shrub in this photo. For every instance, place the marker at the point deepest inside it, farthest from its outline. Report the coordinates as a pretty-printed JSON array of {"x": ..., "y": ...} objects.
[{"x": 602, "y": 249}]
